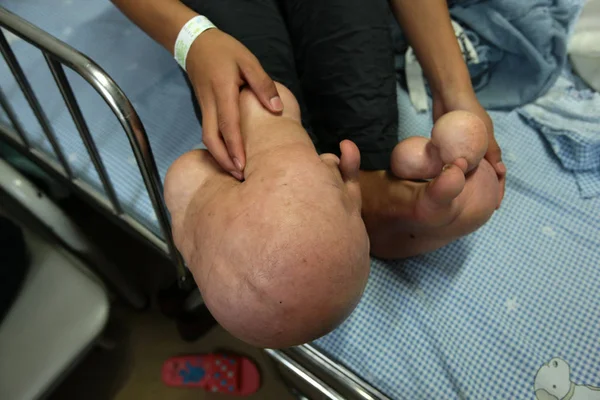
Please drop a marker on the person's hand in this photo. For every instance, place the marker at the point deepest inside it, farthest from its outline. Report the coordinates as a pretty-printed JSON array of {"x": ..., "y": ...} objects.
[
  {"x": 468, "y": 102},
  {"x": 218, "y": 65}
]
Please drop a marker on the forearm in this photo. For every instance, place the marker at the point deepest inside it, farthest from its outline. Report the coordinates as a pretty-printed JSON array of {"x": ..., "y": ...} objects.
[
  {"x": 426, "y": 24},
  {"x": 160, "y": 19}
]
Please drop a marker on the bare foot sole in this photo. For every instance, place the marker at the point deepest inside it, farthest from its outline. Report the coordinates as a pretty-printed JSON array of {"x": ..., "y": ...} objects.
[
  {"x": 405, "y": 217},
  {"x": 281, "y": 258}
]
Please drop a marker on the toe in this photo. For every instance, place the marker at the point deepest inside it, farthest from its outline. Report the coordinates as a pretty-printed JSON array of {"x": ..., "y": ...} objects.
[
  {"x": 435, "y": 201},
  {"x": 461, "y": 137},
  {"x": 416, "y": 158},
  {"x": 446, "y": 187}
]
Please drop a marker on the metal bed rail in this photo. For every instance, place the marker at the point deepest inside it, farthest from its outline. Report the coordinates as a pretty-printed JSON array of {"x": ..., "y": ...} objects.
[
  {"x": 59, "y": 55},
  {"x": 320, "y": 376}
]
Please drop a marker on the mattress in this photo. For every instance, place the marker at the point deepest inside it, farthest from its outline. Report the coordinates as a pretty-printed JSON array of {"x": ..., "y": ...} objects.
[{"x": 498, "y": 314}]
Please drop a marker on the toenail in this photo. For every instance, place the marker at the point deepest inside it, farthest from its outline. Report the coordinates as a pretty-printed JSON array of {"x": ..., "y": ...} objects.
[{"x": 501, "y": 168}]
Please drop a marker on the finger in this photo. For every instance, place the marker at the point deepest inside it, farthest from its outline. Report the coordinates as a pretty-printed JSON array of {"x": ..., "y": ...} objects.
[
  {"x": 262, "y": 85},
  {"x": 213, "y": 141},
  {"x": 228, "y": 115},
  {"x": 494, "y": 153},
  {"x": 502, "y": 181},
  {"x": 494, "y": 157}
]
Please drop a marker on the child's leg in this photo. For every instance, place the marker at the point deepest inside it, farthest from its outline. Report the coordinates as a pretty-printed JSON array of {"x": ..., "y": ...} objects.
[
  {"x": 282, "y": 257},
  {"x": 258, "y": 25},
  {"x": 345, "y": 61},
  {"x": 265, "y": 136}
]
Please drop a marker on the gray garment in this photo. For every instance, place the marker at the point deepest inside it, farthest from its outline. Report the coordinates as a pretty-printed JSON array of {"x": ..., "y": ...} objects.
[{"x": 522, "y": 46}]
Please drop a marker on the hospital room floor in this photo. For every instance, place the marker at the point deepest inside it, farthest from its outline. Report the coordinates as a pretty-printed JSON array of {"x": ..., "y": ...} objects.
[{"x": 144, "y": 340}]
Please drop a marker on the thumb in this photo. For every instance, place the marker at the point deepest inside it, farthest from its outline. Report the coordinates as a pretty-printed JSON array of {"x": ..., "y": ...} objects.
[{"x": 493, "y": 154}]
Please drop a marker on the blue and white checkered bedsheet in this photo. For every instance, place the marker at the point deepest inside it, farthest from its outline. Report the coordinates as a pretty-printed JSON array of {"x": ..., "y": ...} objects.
[
  {"x": 147, "y": 74},
  {"x": 476, "y": 319}
]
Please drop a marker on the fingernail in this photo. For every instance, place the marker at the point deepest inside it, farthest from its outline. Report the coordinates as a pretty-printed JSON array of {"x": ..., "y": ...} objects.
[
  {"x": 276, "y": 103},
  {"x": 237, "y": 175},
  {"x": 501, "y": 168},
  {"x": 238, "y": 164},
  {"x": 446, "y": 167}
]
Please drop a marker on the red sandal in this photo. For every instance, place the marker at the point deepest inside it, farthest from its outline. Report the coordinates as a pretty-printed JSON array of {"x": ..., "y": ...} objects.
[{"x": 213, "y": 372}]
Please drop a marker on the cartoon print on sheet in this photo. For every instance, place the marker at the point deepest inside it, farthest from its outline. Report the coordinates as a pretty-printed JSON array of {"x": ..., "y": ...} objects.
[{"x": 553, "y": 382}]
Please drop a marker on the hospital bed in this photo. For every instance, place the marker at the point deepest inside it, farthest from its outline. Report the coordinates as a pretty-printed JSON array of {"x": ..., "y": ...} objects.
[{"x": 510, "y": 311}]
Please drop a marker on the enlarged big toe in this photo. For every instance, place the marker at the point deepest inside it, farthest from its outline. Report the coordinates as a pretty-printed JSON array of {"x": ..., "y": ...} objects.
[
  {"x": 461, "y": 138},
  {"x": 416, "y": 158}
]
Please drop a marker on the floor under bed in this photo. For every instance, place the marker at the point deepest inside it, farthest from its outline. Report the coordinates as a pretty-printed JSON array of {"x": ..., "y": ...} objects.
[{"x": 499, "y": 314}]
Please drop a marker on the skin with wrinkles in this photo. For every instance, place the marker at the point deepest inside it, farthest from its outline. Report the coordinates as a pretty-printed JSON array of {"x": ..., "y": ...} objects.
[
  {"x": 283, "y": 257},
  {"x": 464, "y": 191},
  {"x": 458, "y": 137}
]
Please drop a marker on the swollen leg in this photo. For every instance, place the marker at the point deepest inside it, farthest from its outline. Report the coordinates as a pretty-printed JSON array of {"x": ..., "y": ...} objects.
[
  {"x": 281, "y": 258},
  {"x": 197, "y": 169},
  {"x": 273, "y": 142},
  {"x": 194, "y": 176},
  {"x": 258, "y": 25}
]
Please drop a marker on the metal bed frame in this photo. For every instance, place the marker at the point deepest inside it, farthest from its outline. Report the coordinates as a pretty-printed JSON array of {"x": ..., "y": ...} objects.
[{"x": 305, "y": 368}]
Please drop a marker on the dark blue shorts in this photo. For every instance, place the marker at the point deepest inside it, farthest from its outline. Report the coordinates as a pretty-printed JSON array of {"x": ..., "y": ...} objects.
[{"x": 336, "y": 56}]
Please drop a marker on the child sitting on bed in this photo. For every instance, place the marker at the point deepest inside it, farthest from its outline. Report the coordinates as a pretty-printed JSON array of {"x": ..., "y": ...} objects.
[
  {"x": 283, "y": 257},
  {"x": 337, "y": 58}
]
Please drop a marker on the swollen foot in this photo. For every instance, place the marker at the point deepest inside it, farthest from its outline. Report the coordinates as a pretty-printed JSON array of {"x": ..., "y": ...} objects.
[
  {"x": 283, "y": 257},
  {"x": 406, "y": 218}
]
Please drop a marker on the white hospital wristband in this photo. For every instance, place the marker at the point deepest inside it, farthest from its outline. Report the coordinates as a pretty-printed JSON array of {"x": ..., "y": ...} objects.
[{"x": 190, "y": 31}]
